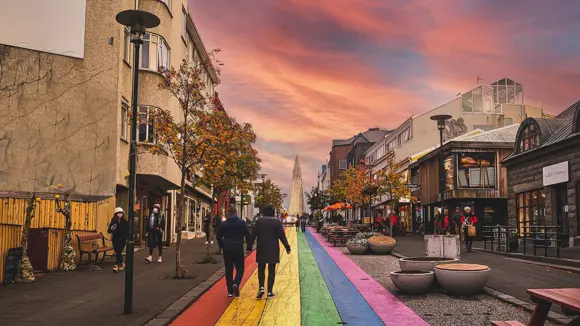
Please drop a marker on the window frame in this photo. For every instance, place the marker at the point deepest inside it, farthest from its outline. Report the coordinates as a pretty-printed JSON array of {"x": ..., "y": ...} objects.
[
  {"x": 151, "y": 40},
  {"x": 525, "y": 204},
  {"x": 478, "y": 157},
  {"x": 150, "y": 126},
  {"x": 529, "y": 139},
  {"x": 342, "y": 166},
  {"x": 127, "y": 46},
  {"x": 184, "y": 34},
  {"x": 124, "y": 120},
  {"x": 167, "y": 4}
]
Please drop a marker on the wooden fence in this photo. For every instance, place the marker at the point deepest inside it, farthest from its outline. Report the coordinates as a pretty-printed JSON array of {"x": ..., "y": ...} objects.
[{"x": 87, "y": 218}]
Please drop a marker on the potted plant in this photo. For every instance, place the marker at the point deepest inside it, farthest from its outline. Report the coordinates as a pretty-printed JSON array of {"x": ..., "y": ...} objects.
[{"x": 513, "y": 241}]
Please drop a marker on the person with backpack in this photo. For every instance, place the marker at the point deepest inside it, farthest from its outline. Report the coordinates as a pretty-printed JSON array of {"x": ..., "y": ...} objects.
[{"x": 118, "y": 229}]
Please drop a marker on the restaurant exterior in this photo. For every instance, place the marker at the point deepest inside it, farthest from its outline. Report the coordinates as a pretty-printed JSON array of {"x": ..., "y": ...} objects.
[
  {"x": 544, "y": 175},
  {"x": 473, "y": 174}
]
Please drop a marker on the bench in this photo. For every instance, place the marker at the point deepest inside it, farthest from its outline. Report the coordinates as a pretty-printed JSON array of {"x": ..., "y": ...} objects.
[
  {"x": 567, "y": 298},
  {"x": 96, "y": 249},
  {"x": 342, "y": 237},
  {"x": 507, "y": 323}
]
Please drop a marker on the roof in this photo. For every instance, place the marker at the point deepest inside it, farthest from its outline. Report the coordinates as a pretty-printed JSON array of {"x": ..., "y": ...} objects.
[
  {"x": 372, "y": 135},
  {"x": 505, "y": 134},
  {"x": 553, "y": 130}
]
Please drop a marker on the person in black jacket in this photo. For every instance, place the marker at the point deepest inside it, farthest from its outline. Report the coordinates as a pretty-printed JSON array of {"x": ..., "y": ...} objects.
[
  {"x": 230, "y": 237},
  {"x": 206, "y": 229},
  {"x": 155, "y": 225},
  {"x": 268, "y": 231},
  {"x": 118, "y": 228}
]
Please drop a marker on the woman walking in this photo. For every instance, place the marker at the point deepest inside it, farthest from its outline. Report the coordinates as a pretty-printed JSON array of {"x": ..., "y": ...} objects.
[
  {"x": 155, "y": 227},
  {"x": 468, "y": 222},
  {"x": 118, "y": 228}
]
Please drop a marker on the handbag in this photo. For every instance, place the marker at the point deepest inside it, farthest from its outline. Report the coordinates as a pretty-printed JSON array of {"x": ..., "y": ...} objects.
[{"x": 471, "y": 231}]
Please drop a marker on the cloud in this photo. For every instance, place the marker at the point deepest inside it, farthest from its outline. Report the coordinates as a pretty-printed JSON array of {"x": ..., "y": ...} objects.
[{"x": 304, "y": 72}]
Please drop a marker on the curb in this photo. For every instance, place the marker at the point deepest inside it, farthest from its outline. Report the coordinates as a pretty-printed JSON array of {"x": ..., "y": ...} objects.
[
  {"x": 179, "y": 306},
  {"x": 552, "y": 316},
  {"x": 562, "y": 262}
]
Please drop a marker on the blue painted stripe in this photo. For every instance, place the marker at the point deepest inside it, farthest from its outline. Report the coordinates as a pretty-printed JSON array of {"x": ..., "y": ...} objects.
[{"x": 351, "y": 306}]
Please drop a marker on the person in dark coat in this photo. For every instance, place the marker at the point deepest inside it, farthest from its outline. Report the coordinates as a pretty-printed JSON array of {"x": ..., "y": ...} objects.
[
  {"x": 230, "y": 238},
  {"x": 119, "y": 230},
  {"x": 155, "y": 225},
  {"x": 206, "y": 229},
  {"x": 303, "y": 221},
  {"x": 268, "y": 231},
  {"x": 456, "y": 221}
]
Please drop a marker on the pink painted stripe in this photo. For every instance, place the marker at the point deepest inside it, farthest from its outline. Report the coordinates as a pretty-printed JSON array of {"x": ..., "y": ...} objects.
[{"x": 390, "y": 309}]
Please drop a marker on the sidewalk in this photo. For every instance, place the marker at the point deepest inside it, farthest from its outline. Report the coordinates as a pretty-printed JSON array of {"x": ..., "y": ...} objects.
[
  {"x": 508, "y": 275},
  {"x": 96, "y": 298}
]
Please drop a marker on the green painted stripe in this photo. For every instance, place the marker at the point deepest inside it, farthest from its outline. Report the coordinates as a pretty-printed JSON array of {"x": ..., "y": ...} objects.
[{"x": 317, "y": 305}]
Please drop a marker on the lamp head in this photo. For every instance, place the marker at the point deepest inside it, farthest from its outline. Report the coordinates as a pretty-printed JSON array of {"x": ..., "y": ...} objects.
[
  {"x": 137, "y": 21},
  {"x": 441, "y": 118}
]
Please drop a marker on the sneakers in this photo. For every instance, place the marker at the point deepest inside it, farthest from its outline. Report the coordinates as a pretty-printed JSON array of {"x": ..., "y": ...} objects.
[
  {"x": 260, "y": 294},
  {"x": 271, "y": 295},
  {"x": 122, "y": 267},
  {"x": 159, "y": 260},
  {"x": 211, "y": 241},
  {"x": 149, "y": 259},
  {"x": 236, "y": 290},
  {"x": 230, "y": 295},
  {"x": 115, "y": 268},
  {"x": 207, "y": 242}
]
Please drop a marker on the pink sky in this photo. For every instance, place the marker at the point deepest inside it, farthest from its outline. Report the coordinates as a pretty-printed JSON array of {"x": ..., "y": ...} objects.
[{"x": 304, "y": 72}]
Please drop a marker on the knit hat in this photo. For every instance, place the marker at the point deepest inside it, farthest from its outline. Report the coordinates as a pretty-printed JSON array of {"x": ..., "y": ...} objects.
[
  {"x": 467, "y": 208},
  {"x": 119, "y": 210}
]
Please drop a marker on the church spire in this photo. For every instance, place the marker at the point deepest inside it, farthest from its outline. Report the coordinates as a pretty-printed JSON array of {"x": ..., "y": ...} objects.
[{"x": 296, "y": 203}]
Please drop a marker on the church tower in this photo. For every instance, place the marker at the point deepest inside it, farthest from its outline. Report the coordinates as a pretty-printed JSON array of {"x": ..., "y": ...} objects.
[{"x": 296, "y": 205}]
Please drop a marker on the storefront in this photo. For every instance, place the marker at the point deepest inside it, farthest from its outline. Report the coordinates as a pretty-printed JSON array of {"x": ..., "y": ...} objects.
[
  {"x": 473, "y": 177},
  {"x": 544, "y": 175}
]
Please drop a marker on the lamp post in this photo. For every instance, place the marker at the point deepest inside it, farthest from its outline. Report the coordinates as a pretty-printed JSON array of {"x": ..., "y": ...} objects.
[
  {"x": 137, "y": 21},
  {"x": 441, "y": 119},
  {"x": 263, "y": 177}
]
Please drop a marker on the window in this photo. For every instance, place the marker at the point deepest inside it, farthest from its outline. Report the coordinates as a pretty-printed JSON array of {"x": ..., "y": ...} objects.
[
  {"x": 127, "y": 45},
  {"x": 189, "y": 50},
  {"x": 184, "y": 24},
  {"x": 342, "y": 165},
  {"x": 531, "y": 209},
  {"x": 167, "y": 3},
  {"x": 404, "y": 136},
  {"x": 155, "y": 54},
  {"x": 484, "y": 127},
  {"x": 449, "y": 172},
  {"x": 529, "y": 137},
  {"x": 476, "y": 170},
  {"x": 392, "y": 145},
  {"x": 124, "y": 119},
  {"x": 145, "y": 132}
]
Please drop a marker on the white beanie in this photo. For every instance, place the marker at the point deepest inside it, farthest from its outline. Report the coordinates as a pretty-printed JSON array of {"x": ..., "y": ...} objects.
[
  {"x": 119, "y": 210},
  {"x": 467, "y": 208}
]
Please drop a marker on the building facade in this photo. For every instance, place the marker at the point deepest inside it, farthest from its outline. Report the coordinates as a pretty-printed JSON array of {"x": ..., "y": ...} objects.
[
  {"x": 543, "y": 178},
  {"x": 74, "y": 99}
]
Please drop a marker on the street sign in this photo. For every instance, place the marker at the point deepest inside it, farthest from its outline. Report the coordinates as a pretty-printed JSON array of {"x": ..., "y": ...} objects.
[
  {"x": 412, "y": 186},
  {"x": 246, "y": 199}
]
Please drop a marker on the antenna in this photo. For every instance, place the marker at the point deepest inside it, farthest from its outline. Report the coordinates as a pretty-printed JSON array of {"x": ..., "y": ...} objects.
[{"x": 479, "y": 79}]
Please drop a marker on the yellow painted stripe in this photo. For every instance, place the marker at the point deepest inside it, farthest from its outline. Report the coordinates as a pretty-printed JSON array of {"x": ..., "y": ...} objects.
[
  {"x": 284, "y": 310},
  {"x": 246, "y": 310}
]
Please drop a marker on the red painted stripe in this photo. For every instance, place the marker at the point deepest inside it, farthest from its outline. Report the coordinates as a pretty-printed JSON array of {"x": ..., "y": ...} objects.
[{"x": 208, "y": 309}]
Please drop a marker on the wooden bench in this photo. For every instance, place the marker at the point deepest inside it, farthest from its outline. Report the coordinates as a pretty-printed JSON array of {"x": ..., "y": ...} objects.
[
  {"x": 568, "y": 299},
  {"x": 507, "y": 323},
  {"x": 96, "y": 249}
]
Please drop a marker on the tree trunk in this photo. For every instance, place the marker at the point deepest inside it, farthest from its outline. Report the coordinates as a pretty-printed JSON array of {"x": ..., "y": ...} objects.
[
  {"x": 211, "y": 219},
  {"x": 26, "y": 274},
  {"x": 180, "y": 270}
]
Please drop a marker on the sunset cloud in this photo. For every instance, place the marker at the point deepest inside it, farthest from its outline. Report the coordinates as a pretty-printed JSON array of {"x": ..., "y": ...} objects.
[{"x": 305, "y": 72}]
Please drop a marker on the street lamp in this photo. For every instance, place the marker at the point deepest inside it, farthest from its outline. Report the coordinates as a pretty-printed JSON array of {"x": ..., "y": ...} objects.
[
  {"x": 137, "y": 21},
  {"x": 441, "y": 119}
]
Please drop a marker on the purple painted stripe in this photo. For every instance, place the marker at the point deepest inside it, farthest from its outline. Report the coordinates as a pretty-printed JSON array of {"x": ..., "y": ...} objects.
[{"x": 390, "y": 309}]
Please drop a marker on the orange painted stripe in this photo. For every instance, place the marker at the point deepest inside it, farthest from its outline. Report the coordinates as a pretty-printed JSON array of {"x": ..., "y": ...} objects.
[{"x": 207, "y": 310}]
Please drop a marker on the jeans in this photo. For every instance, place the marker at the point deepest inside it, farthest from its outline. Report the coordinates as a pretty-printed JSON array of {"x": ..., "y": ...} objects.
[
  {"x": 303, "y": 227},
  {"x": 233, "y": 259},
  {"x": 118, "y": 246},
  {"x": 207, "y": 235},
  {"x": 271, "y": 275},
  {"x": 155, "y": 239}
]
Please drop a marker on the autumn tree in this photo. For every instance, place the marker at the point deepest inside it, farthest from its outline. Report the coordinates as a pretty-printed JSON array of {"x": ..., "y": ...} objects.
[
  {"x": 354, "y": 187},
  {"x": 391, "y": 182},
  {"x": 317, "y": 199},
  {"x": 269, "y": 193},
  {"x": 183, "y": 136}
]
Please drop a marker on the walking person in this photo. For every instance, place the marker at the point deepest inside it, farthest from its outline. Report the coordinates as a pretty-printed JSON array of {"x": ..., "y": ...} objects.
[
  {"x": 303, "y": 221},
  {"x": 456, "y": 221},
  {"x": 118, "y": 228},
  {"x": 206, "y": 228},
  {"x": 268, "y": 232},
  {"x": 230, "y": 238},
  {"x": 468, "y": 222},
  {"x": 155, "y": 227}
]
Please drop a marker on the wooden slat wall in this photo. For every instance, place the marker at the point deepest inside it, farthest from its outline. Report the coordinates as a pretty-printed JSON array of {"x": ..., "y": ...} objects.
[
  {"x": 429, "y": 190},
  {"x": 56, "y": 242},
  {"x": 87, "y": 218}
]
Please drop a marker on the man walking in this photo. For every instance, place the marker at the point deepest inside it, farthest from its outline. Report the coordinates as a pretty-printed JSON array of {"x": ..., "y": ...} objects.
[
  {"x": 303, "y": 220},
  {"x": 268, "y": 231},
  {"x": 230, "y": 237}
]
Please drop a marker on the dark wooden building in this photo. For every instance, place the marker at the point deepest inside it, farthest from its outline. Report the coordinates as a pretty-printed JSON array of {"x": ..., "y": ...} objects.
[
  {"x": 544, "y": 174},
  {"x": 473, "y": 173}
]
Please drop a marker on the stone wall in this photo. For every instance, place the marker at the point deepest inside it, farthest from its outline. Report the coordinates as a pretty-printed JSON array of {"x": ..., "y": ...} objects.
[{"x": 527, "y": 175}]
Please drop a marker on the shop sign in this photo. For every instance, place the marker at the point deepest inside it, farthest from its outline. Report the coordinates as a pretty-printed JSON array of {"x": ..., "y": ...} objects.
[{"x": 554, "y": 174}]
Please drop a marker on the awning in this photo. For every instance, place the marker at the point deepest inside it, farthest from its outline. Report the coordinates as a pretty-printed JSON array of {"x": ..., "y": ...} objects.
[{"x": 337, "y": 206}]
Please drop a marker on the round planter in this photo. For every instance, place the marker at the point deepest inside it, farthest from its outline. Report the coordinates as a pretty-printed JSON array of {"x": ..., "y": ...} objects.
[
  {"x": 381, "y": 244},
  {"x": 356, "y": 249},
  {"x": 413, "y": 282},
  {"x": 462, "y": 279},
  {"x": 424, "y": 263}
]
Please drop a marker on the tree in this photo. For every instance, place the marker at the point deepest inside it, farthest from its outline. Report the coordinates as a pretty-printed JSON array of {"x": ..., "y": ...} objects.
[
  {"x": 270, "y": 193},
  {"x": 67, "y": 258},
  {"x": 26, "y": 272},
  {"x": 354, "y": 186},
  {"x": 184, "y": 138},
  {"x": 391, "y": 182},
  {"x": 317, "y": 199}
]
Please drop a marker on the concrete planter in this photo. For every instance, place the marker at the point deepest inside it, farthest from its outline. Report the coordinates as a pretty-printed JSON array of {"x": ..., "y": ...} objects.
[
  {"x": 356, "y": 249},
  {"x": 413, "y": 282},
  {"x": 381, "y": 245},
  {"x": 424, "y": 263},
  {"x": 462, "y": 279}
]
